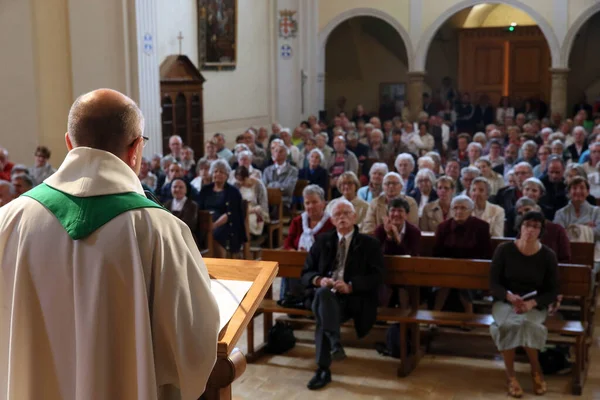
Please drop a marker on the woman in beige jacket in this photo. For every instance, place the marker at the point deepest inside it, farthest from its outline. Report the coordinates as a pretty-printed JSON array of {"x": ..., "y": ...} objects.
[{"x": 438, "y": 211}]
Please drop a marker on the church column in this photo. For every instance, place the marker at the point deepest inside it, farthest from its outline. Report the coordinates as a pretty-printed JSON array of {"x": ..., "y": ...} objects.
[
  {"x": 414, "y": 92},
  {"x": 145, "y": 75},
  {"x": 558, "y": 96}
]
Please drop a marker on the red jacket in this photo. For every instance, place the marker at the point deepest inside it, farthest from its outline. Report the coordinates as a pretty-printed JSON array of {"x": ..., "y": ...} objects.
[
  {"x": 5, "y": 173},
  {"x": 295, "y": 231}
]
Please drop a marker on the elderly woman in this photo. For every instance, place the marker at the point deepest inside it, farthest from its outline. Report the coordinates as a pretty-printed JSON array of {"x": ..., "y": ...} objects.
[
  {"x": 183, "y": 208},
  {"x": 405, "y": 164},
  {"x": 254, "y": 192},
  {"x": 310, "y": 143},
  {"x": 347, "y": 185},
  {"x": 543, "y": 154},
  {"x": 375, "y": 186},
  {"x": 462, "y": 236},
  {"x": 580, "y": 218},
  {"x": 528, "y": 152},
  {"x": 474, "y": 152},
  {"x": 484, "y": 210},
  {"x": 558, "y": 148},
  {"x": 467, "y": 174},
  {"x": 438, "y": 211},
  {"x": 303, "y": 230},
  {"x": 313, "y": 221},
  {"x": 424, "y": 193},
  {"x": 398, "y": 237},
  {"x": 524, "y": 282},
  {"x": 314, "y": 173},
  {"x": 495, "y": 180},
  {"x": 225, "y": 201},
  {"x": 392, "y": 188},
  {"x": 244, "y": 159}
]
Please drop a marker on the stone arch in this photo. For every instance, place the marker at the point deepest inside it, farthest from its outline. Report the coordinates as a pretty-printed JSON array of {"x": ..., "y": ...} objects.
[
  {"x": 427, "y": 36},
  {"x": 344, "y": 16},
  {"x": 574, "y": 30}
]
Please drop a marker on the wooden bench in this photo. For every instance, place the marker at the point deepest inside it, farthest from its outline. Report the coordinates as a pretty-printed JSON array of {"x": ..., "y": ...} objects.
[
  {"x": 581, "y": 253},
  {"x": 575, "y": 280}
]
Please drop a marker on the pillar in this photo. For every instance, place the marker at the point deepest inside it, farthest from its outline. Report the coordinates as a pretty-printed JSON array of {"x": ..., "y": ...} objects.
[
  {"x": 414, "y": 93},
  {"x": 145, "y": 82},
  {"x": 558, "y": 96}
]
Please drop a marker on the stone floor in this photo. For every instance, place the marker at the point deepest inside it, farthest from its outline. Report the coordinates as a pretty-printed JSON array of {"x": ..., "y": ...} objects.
[{"x": 457, "y": 367}]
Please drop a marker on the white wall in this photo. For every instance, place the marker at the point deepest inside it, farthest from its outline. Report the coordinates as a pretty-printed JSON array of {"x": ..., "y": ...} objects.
[
  {"x": 99, "y": 45},
  {"x": 233, "y": 100},
  {"x": 18, "y": 106}
]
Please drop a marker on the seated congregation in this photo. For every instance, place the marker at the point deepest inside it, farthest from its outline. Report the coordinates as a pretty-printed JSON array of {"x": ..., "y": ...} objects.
[{"x": 353, "y": 198}]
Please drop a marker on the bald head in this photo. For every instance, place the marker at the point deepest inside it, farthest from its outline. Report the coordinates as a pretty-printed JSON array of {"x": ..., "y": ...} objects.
[{"x": 105, "y": 120}]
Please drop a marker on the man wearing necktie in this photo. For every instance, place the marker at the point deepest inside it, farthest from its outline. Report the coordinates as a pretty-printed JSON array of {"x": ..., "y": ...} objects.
[{"x": 346, "y": 268}]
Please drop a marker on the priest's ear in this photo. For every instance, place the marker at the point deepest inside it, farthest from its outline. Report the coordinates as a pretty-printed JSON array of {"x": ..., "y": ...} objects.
[
  {"x": 68, "y": 141},
  {"x": 134, "y": 154}
]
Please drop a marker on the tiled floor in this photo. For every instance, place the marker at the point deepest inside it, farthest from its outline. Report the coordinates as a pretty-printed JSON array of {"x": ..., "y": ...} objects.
[{"x": 476, "y": 374}]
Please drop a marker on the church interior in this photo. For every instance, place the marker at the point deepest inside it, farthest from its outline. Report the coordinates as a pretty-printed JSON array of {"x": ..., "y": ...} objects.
[{"x": 315, "y": 103}]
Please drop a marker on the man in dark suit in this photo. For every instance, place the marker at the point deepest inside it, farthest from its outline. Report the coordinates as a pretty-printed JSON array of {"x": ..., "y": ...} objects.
[
  {"x": 508, "y": 197},
  {"x": 346, "y": 267}
]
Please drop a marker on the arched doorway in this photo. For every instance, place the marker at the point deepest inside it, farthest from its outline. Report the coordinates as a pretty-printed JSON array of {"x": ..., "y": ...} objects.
[
  {"x": 365, "y": 63},
  {"x": 388, "y": 38},
  {"x": 493, "y": 49},
  {"x": 584, "y": 62}
]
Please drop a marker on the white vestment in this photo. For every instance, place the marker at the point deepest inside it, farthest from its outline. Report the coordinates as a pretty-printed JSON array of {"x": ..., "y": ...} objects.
[{"x": 124, "y": 313}]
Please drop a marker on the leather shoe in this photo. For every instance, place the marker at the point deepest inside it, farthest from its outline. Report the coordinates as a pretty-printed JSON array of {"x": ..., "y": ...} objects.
[
  {"x": 320, "y": 380},
  {"x": 338, "y": 353}
]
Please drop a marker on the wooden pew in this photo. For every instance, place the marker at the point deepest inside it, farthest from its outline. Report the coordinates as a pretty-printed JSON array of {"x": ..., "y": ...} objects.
[
  {"x": 581, "y": 253},
  {"x": 575, "y": 280}
]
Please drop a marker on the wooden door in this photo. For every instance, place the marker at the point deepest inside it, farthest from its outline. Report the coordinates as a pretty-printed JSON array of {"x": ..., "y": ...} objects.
[
  {"x": 529, "y": 73},
  {"x": 496, "y": 62}
]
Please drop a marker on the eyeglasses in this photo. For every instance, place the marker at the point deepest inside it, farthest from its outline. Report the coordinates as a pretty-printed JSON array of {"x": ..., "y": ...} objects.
[
  {"x": 391, "y": 183},
  {"x": 145, "y": 138}
]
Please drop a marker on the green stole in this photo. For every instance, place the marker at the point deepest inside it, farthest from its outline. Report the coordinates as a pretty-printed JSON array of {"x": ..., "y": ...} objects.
[{"x": 82, "y": 216}]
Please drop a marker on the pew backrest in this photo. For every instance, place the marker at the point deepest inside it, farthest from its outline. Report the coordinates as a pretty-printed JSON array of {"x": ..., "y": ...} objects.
[{"x": 575, "y": 279}]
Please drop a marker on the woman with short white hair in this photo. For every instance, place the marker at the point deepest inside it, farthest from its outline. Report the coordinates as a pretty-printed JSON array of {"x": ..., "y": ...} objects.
[
  {"x": 375, "y": 186},
  {"x": 474, "y": 152},
  {"x": 462, "y": 236},
  {"x": 424, "y": 193},
  {"x": 529, "y": 152},
  {"x": 244, "y": 158}
]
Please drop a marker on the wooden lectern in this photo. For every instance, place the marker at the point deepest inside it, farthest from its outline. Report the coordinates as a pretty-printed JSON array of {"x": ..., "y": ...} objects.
[{"x": 231, "y": 363}]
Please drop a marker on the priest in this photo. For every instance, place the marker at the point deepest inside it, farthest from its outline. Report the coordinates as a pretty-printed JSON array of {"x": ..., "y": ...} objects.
[{"x": 103, "y": 293}]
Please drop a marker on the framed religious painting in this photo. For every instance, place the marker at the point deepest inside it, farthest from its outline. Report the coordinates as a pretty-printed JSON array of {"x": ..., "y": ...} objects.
[
  {"x": 217, "y": 34},
  {"x": 392, "y": 97}
]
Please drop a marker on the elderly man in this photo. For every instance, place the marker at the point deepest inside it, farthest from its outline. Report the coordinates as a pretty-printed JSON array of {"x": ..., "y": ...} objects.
[
  {"x": 467, "y": 174},
  {"x": 580, "y": 144},
  {"x": 175, "y": 145},
  {"x": 259, "y": 155},
  {"x": 405, "y": 165},
  {"x": 340, "y": 161},
  {"x": 7, "y": 192},
  {"x": 507, "y": 197},
  {"x": 346, "y": 268},
  {"x": 22, "y": 183},
  {"x": 5, "y": 165},
  {"x": 281, "y": 174},
  {"x": 222, "y": 150},
  {"x": 392, "y": 188},
  {"x": 97, "y": 276},
  {"x": 42, "y": 168}
]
